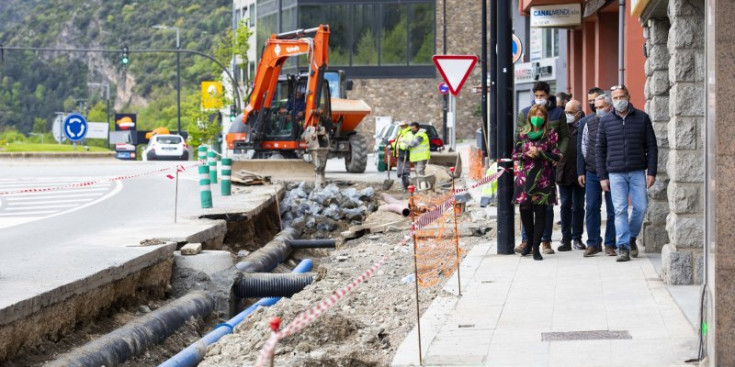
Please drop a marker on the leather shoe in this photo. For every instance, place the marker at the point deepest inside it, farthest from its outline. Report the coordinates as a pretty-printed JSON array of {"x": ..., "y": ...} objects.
[
  {"x": 520, "y": 247},
  {"x": 610, "y": 251},
  {"x": 578, "y": 245},
  {"x": 547, "y": 247},
  {"x": 591, "y": 251},
  {"x": 633, "y": 247},
  {"x": 624, "y": 255},
  {"x": 565, "y": 246}
]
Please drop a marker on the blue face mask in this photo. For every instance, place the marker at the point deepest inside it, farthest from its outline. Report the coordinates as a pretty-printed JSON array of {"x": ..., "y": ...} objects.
[{"x": 600, "y": 113}]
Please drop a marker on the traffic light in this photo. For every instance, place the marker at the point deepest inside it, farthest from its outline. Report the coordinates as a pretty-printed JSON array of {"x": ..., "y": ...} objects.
[
  {"x": 233, "y": 112},
  {"x": 125, "y": 58}
]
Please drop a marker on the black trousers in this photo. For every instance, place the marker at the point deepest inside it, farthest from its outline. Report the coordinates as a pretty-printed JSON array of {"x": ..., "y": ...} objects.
[{"x": 533, "y": 218}]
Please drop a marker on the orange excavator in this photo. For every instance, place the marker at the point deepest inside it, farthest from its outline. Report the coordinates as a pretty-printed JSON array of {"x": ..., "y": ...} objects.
[{"x": 313, "y": 126}]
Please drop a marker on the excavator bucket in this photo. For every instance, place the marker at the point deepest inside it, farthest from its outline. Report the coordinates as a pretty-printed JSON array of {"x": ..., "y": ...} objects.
[{"x": 277, "y": 169}]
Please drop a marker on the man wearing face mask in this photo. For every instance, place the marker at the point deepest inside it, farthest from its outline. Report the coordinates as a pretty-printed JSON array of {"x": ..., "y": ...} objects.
[
  {"x": 572, "y": 195},
  {"x": 587, "y": 177},
  {"x": 627, "y": 158},
  {"x": 592, "y": 95},
  {"x": 558, "y": 123}
]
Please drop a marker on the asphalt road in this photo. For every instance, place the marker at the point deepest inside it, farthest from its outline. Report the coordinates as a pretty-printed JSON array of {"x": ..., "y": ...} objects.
[{"x": 35, "y": 220}]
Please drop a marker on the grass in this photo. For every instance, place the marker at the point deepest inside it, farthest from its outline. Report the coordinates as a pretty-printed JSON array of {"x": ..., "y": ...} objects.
[{"x": 35, "y": 148}]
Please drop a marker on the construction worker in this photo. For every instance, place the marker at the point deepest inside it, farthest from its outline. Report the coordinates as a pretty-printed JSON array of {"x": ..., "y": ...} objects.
[
  {"x": 399, "y": 148},
  {"x": 420, "y": 150}
]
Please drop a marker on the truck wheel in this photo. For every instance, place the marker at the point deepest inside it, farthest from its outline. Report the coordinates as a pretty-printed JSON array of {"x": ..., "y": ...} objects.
[{"x": 356, "y": 158}]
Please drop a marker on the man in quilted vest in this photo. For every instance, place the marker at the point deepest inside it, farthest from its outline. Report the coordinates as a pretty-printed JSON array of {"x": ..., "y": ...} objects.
[{"x": 627, "y": 158}]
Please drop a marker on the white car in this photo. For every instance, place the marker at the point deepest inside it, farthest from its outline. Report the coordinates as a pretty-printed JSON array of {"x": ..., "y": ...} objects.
[{"x": 171, "y": 147}]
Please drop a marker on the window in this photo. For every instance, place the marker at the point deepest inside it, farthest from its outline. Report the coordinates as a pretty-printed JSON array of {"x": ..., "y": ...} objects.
[
  {"x": 421, "y": 34},
  {"x": 365, "y": 36},
  {"x": 338, "y": 18},
  {"x": 550, "y": 42},
  {"x": 393, "y": 41}
]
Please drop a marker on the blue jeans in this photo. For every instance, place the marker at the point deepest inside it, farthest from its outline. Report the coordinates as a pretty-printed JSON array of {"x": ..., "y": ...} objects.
[
  {"x": 572, "y": 211},
  {"x": 548, "y": 227},
  {"x": 593, "y": 217},
  {"x": 621, "y": 185}
]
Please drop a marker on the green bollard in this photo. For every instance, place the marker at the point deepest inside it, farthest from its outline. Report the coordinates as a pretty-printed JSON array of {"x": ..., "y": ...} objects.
[
  {"x": 205, "y": 193},
  {"x": 226, "y": 177},
  {"x": 202, "y": 153},
  {"x": 212, "y": 162}
]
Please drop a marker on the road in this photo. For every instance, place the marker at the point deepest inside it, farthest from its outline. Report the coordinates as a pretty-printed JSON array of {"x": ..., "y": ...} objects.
[{"x": 33, "y": 221}]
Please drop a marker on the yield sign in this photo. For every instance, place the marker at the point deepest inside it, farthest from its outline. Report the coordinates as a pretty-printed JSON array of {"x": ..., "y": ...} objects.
[{"x": 455, "y": 69}]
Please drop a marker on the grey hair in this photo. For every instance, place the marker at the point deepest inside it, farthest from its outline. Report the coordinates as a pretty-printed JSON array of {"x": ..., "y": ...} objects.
[{"x": 604, "y": 97}]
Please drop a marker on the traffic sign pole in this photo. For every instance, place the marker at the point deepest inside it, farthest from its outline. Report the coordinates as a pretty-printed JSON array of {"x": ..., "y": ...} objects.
[{"x": 506, "y": 210}]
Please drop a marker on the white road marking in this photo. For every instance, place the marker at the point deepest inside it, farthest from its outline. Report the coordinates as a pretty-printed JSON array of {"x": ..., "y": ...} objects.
[
  {"x": 29, "y": 203},
  {"x": 26, "y": 198}
]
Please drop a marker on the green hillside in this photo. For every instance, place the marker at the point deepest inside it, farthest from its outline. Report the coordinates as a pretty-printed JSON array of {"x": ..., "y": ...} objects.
[{"x": 38, "y": 84}]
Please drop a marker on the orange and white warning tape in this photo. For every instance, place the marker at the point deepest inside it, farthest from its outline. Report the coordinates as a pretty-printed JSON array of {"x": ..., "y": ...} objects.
[{"x": 178, "y": 168}]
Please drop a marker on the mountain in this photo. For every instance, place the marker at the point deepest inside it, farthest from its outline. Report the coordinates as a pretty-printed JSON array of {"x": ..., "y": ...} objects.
[{"x": 37, "y": 84}]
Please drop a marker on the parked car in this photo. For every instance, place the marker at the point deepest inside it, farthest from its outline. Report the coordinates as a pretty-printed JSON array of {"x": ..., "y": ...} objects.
[
  {"x": 169, "y": 146},
  {"x": 436, "y": 144}
]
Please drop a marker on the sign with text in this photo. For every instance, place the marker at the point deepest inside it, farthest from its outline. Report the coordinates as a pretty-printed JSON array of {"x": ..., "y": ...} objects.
[
  {"x": 556, "y": 16},
  {"x": 98, "y": 130}
]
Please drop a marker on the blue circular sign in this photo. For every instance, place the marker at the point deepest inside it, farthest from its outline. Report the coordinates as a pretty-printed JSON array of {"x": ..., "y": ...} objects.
[
  {"x": 75, "y": 127},
  {"x": 443, "y": 88},
  {"x": 517, "y": 48}
]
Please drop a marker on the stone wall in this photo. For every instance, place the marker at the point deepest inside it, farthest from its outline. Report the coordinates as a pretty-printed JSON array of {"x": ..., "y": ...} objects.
[
  {"x": 682, "y": 256},
  {"x": 656, "y": 32},
  {"x": 418, "y": 99}
]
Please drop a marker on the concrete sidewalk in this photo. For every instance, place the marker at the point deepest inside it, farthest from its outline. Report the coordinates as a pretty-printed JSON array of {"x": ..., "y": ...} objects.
[{"x": 564, "y": 311}]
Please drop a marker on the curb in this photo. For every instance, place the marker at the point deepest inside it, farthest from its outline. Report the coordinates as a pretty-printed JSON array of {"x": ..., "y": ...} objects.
[{"x": 56, "y": 155}]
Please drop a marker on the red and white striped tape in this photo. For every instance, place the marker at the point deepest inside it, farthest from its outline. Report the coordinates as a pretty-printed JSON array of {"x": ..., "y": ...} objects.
[
  {"x": 180, "y": 168},
  {"x": 307, "y": 317}
]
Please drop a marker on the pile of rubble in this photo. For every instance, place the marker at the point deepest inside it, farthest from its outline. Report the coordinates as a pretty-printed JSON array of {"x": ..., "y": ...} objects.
[{"x": 330, "y": 209}]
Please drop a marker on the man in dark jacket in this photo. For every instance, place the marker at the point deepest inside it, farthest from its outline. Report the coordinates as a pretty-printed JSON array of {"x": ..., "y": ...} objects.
[
  {"x": 627, "y": 158},
  {"x": 558, "y": 123},
  {"x": 587, "y": 177},
  {"x": 571, "y": 193}
]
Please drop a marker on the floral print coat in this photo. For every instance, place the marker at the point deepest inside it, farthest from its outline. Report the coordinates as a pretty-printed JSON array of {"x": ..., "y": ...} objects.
[{"x": 535, "y": 181}]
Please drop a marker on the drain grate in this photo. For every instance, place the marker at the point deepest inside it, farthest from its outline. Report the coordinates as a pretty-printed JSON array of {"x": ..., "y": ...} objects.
[{"x": 558, "y": 336}]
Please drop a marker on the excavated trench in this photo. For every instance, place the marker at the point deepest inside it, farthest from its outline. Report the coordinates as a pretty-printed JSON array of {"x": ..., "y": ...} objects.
[{"x": 244, "y": 236}]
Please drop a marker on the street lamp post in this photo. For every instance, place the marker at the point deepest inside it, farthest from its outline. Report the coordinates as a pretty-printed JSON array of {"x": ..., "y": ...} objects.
[{"x": 178, "y": 76}]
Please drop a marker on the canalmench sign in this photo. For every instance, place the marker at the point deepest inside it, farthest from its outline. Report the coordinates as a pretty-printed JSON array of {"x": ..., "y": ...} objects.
[{"x": 556, "y": 16}]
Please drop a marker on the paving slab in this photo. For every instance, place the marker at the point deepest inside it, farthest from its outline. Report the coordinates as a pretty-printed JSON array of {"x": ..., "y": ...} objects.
[{"x": 564, "y": 311}]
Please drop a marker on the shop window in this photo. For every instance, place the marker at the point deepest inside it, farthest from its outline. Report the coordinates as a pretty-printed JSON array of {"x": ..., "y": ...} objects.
[{"x": 550, "y": 42}]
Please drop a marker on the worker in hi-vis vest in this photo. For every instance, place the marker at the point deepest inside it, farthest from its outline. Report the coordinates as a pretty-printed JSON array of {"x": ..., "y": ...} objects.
[
  {"x": 399, "y": 148},
  {"x": 490, "y": 189},
  {"x": 420, "y": 150}
]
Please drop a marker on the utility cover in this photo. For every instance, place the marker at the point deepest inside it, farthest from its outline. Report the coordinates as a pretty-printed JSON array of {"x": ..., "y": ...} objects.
[{"x": 455, "y": 69}]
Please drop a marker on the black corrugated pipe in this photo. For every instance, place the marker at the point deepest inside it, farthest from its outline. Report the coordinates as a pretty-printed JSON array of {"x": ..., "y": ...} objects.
[
  {"x": 269, "y": 256},
  {"x": 258, "y": 285},
  {"x": 319, "y": 243},
  {"x": 137, "y": 336}
]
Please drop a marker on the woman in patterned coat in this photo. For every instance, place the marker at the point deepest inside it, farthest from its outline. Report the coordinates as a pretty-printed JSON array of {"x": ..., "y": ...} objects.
[{"x": 536, "y": 152}]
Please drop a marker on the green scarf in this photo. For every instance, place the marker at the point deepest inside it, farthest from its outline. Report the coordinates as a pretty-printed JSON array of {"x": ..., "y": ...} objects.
[{"x": 535, "y": 135}]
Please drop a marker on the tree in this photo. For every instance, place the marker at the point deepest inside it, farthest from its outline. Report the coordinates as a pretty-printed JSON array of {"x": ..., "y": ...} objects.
[
  {"x": 39, "y": 126},
  {"x": 234, "y": 45}
]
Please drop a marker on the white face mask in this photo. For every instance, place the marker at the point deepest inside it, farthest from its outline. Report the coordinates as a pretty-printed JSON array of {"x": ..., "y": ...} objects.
[
  {"x": 540, "y": 102},
  {"x": 570, "y": 118},
  {"x": 621, "y": 105}
]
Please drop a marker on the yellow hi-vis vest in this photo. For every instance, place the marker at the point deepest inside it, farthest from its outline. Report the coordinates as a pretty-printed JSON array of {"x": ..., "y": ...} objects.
[
  {"x": 400, "y": 141},
  {"x": 491, "y": 189},
  {"x": 421, "y": 152}
]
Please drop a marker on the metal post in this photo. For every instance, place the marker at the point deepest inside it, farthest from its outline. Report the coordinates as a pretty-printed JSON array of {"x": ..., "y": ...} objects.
[
  {"x": 178, "y": 83},
  {"x": 483, "y": 63},
  {"x": 493, "y": 152},
  {"x": 506, "y": 211},
  {"x": 445, "y": 98},
  {"x": 621, "y": 43},
  {"x": 456, "y": 233},
  {"x": 176, "y": 196},
  {"x": 412, "y": 208}
]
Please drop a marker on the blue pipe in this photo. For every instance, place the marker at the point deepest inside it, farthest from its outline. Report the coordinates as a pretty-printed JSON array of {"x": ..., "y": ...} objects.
[{"x": 193, "y": 354}]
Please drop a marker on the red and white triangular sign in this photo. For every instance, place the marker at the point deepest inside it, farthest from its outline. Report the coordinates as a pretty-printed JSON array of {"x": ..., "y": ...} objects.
[{"x": 455, "y": 69}]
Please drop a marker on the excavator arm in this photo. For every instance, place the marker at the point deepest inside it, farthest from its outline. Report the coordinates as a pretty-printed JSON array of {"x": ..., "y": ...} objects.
[{"x": 278, "y": 48}]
